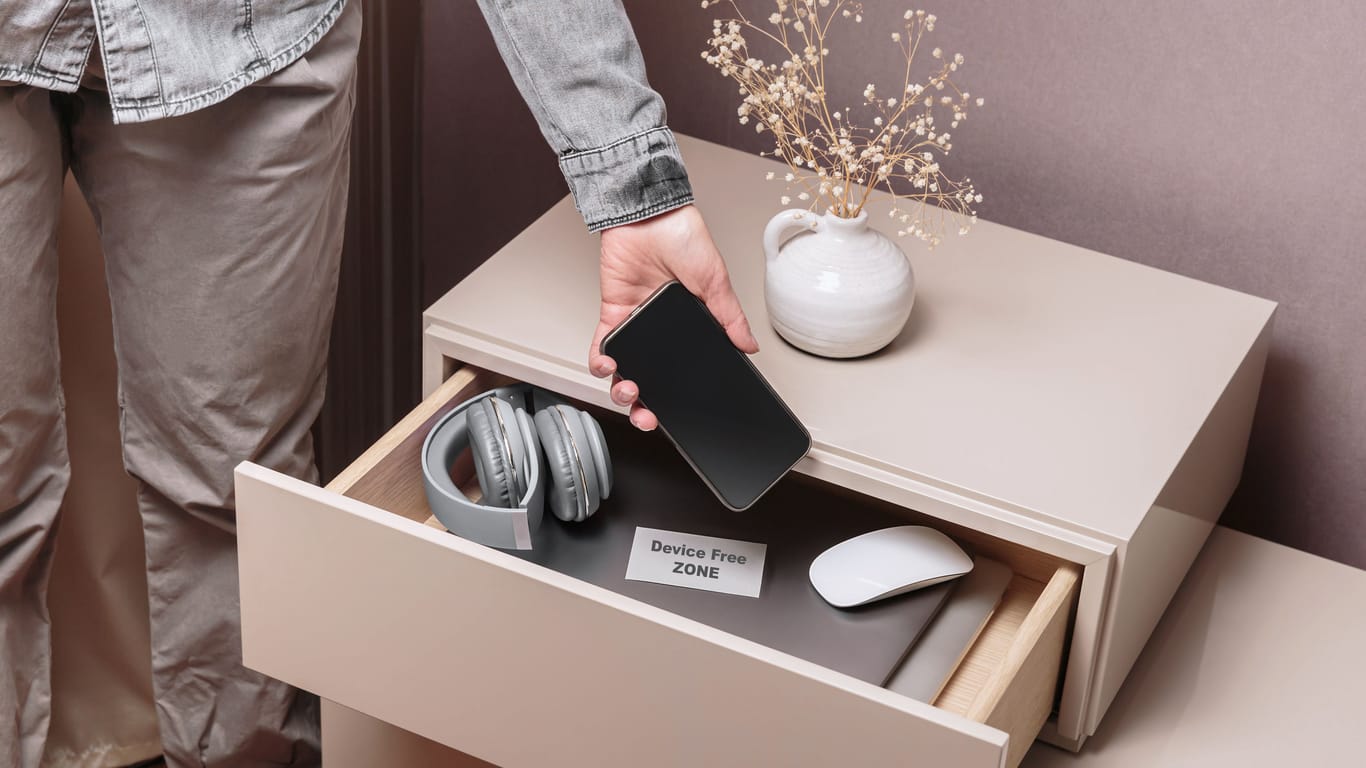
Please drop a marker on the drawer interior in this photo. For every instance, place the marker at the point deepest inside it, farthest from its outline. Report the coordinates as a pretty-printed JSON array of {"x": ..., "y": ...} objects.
[{"x": 1006, "y": 679}]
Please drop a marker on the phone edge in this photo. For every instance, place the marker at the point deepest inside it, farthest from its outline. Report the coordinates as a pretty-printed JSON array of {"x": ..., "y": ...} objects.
[{"x": 602, "y": 345}]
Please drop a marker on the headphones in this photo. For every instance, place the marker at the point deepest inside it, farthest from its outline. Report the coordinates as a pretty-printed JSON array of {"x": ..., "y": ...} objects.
[{"x": 513, "y": 452}]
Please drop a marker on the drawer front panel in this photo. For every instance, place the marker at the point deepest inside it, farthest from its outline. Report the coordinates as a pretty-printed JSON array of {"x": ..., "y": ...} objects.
[{"x": 523, "y": 666}]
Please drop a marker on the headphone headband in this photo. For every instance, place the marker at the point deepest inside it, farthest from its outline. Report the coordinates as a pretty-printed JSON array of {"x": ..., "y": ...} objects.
[{"x": 505, "y": 528}]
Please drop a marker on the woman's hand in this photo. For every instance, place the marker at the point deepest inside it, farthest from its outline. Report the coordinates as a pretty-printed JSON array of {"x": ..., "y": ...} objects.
[{"x": 639, "y": 257}]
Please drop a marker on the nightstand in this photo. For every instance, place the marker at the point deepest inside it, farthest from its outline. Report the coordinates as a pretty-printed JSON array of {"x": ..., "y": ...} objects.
[{"x": 1080, "y": 417}]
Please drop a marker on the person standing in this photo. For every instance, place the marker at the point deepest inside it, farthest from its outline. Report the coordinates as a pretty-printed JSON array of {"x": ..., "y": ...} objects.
[{"x": 211, "y": 141}]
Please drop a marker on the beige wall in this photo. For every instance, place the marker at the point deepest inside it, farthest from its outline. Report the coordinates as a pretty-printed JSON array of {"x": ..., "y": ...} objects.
[{"x": 102, "y": 698}]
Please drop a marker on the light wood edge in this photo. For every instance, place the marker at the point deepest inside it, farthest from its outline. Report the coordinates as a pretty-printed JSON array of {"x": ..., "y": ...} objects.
[
  {"x": 400, "y": 431},
  {"x": 1019, "y": 698},
  {"x": 977, "y": 637},
  {"x": 984, "y": 658}
]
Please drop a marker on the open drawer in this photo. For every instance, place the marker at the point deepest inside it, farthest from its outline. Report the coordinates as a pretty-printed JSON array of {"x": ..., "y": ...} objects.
[{"x": 346, "y": 592}]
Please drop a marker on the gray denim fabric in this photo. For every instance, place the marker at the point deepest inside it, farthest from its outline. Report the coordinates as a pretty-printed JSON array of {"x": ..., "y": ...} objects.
[
  {"x": 161, "y": 57},
  {"x": 222, "y": 234},
  {"x": 576, "y": 62},
  {"x": 579, "y": 68}
]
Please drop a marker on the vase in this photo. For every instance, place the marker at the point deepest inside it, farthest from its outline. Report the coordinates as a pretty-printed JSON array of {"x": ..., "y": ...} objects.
[{"x": 837, "y": 287}]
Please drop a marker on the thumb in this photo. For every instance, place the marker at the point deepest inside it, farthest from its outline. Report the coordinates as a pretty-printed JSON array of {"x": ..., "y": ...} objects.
[{"x": 724, "y": 305}]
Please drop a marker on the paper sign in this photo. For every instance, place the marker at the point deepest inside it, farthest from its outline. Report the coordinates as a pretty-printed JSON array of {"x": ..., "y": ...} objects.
[{"x": 698, "y": 562}]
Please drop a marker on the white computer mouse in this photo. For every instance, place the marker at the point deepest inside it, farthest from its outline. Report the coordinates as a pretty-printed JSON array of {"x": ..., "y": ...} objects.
[{"x": 881, "y": 564}]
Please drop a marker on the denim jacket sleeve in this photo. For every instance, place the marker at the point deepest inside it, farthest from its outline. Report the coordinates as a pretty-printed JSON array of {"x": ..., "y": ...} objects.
[{"x": 579, "y": 68}]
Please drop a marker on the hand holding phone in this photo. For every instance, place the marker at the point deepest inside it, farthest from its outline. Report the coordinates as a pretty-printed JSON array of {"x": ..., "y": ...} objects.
[
  {"x": 711, "y": 401},
  {"x": 639, "y": 257}
]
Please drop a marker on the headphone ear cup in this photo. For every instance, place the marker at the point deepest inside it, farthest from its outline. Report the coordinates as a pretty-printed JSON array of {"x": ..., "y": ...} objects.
[
  {"x": 571, "y": 421},
  {"x": 597, "y": 448},
  {"x": 567, "y": 497},
  {"x": 492, "y": 465}
]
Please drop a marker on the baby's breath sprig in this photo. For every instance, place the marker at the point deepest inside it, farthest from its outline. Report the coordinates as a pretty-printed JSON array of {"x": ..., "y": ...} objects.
[{"x": 836, "y": 161}]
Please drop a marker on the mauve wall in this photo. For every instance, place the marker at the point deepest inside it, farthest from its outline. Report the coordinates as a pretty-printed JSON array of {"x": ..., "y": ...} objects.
[
  {"x": 1216, "y": 140},
  {"x": 487, "y": 172}
]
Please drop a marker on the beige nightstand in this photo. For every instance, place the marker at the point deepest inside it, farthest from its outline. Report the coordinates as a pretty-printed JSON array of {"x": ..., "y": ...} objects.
[{"x": 1081, "y": 417}]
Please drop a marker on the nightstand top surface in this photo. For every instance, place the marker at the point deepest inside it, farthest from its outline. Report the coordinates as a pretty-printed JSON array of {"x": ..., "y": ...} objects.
[{"x": 1058, "y": 382}]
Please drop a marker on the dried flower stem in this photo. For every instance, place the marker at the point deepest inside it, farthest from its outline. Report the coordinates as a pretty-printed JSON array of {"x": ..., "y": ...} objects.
[{"x": 833, "y": 159}]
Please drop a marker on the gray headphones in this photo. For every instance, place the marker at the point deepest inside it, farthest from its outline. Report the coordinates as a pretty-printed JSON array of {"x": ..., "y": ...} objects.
[{"x": 507, "y": 447}]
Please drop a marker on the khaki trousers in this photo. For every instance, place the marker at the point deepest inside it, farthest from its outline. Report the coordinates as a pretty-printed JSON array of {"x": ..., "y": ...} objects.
[{"x": 222, "y": 232}]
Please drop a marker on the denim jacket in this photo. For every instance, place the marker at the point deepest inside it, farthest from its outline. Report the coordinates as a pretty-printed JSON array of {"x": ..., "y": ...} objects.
[{"x": 576, "y": 62}]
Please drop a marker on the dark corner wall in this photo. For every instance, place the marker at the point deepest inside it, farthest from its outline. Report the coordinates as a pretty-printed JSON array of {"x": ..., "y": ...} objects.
[
  {"x": 1220, "y": 141},
  {"x": 487, "y": 171},
  {"x": 373, "y": 363},
  {"x": 447, "y": 166}
]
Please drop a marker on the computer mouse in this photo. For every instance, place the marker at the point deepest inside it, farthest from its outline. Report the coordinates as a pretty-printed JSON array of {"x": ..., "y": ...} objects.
[{"x": 881, "y": 564}]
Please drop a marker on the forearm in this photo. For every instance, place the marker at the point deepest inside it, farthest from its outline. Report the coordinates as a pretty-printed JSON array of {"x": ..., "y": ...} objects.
[{"x": 577, "y": 65}]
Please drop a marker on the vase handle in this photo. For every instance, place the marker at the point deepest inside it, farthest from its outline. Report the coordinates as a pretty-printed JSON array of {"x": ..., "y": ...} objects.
[{"x": 791, "y": 218}]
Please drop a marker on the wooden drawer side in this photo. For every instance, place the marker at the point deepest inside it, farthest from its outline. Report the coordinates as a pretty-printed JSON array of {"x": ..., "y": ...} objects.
[
  {"x": 1019, "y": 698},
  {"x": 387, "y": 474}
]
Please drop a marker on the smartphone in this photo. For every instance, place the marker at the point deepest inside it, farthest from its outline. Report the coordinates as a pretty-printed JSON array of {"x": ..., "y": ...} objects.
[{"x": 712, "y": 403}]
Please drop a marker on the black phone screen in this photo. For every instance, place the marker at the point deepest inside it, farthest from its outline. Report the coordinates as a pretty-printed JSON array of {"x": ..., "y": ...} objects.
[{"x": 711, "y": 401}]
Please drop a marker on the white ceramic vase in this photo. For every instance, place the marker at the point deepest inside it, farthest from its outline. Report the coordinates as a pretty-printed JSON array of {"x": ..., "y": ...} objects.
[{"x": 837, "y": 288}]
